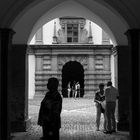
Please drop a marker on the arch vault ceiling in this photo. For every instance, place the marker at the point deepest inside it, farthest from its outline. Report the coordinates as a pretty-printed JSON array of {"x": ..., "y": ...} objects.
[{"x": 25, "y": 16}]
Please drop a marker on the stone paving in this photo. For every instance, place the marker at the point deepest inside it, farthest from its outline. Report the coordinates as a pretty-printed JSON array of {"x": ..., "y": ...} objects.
[{"x": 78, "y": 122}]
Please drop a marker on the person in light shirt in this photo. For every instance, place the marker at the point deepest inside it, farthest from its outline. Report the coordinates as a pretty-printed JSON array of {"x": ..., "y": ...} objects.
[
  {"x": 99, "y": 99},
  {"x": 111, "y": 95}
]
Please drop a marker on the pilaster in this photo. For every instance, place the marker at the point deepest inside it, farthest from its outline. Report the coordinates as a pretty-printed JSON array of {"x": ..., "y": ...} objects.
[
  {"x": 114, "y": 66},
  {"x": 5, "y": 47},
  {"x": 19, "y": 89},
  {"x": 91, "y": 63},
  {"x": 38, "y": 63},
  {"x": 133, "y": 36},
  {"x": 124, "y": 86},
  {"x": 54, "y": 63},
  {"x": 106, "y": 60}
]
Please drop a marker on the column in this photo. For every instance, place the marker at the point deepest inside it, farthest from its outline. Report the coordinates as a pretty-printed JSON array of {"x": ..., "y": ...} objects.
[
  {"x": 114, "y": 75},
  {"x": 133, "y": 36},
  {"x": 19, "y": 89},
  {"x": 114, "y": 67},
  {"x": 5, "y": 48},
  {"x": 124, "y": 85}
]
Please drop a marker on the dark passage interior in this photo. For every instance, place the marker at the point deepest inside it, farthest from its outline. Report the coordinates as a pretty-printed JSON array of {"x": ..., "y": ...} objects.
[{"x": 72, "y": 72}]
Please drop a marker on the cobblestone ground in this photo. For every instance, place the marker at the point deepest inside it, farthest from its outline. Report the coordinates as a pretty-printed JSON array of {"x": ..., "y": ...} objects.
[{"x": 78, "y": 122}]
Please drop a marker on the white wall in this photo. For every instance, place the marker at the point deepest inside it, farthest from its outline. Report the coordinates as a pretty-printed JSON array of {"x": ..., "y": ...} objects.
[
  {"x": 31, "y": 76},
  {"x": 112, "y": 70},
  {"x": 48, "y": 30},
  {"x": 96, "y": 32}
]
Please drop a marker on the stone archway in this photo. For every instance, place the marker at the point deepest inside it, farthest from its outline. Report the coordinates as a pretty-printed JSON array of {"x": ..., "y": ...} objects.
[
  {"x": 21, "y": 40},
  {"x": 72, "y": 71}
]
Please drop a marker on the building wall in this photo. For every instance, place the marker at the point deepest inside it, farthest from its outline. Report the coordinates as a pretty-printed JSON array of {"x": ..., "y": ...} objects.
[{"x": 95, "y": 60}]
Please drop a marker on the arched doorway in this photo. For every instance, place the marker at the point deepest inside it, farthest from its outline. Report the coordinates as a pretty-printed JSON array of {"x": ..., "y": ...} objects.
[{"x": 72, "y": 72}]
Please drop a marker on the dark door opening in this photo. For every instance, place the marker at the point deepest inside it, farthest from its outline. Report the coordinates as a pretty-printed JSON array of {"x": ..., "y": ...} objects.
[{"x": 72, "y": 72}]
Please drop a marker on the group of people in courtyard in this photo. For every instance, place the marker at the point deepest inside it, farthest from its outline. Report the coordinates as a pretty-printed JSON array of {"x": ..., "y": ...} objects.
[
  {"x": 74, "y": 89},
  {"x": 105, "y": 100},
  {"x": 49, "y": 117}
]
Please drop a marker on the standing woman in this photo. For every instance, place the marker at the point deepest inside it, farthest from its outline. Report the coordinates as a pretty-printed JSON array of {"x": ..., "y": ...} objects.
[
  {"x": 99, "y": 99},
  {"x": 50, "y": 110}
]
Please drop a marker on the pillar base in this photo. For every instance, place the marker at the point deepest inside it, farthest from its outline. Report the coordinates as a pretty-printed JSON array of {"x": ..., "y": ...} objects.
[
  {"x": 123, "y": 126},
  {"x": 20, "y": 126}
]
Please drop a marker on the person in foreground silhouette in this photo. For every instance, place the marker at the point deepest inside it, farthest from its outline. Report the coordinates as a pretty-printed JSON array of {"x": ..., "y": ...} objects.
[{"x": 50, "y": 110}]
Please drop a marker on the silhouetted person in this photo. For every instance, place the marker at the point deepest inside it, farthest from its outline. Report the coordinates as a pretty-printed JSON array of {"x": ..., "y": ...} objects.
[
  {"x": 111, "y": 95},
  {"x": 50, "y": 110},
  {"x": 77, "y": 89},
  {"x": 73, "y": 88},
  {"x": 99, "y": 98},
  {"x": 69, "y": 90}
]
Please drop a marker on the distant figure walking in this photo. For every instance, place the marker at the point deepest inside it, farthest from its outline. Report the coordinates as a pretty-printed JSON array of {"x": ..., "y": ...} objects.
[
  {"x": 111, "y": 95},
  {"x": 69, "y": 90},
  {"x": 77, "y": 90},
  {"x": 73, "y": 89},
  {"x": 50, "y": 110}
]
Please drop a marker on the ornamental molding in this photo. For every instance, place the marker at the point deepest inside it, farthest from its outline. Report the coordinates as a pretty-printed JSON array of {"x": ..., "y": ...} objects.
[{"x": 62, "y": 60}]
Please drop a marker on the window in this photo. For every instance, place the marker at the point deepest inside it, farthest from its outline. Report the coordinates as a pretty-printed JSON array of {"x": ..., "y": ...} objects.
[{"x": 72, "y": 33}]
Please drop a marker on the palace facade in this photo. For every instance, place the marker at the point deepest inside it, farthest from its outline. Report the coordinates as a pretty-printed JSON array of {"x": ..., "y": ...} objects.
[{"x": 72, "y": 56}]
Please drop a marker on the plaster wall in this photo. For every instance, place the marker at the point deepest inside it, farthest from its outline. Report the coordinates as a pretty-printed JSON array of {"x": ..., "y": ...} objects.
[
  {"x": 48, "y": 30},
  {"x": 31, "y": 76}
]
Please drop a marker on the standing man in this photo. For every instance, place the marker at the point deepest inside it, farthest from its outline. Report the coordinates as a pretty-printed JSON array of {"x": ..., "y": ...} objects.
[
  {"x": 111, "y": 95},
  {"x": 99, "y": 98}
]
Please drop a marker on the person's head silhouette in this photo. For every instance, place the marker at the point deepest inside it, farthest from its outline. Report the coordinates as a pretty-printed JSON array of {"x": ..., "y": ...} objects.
[
  {"x": 109, "y": 83},
  {"x": 52, "y": 84},
  {"x": 101, "y": 86}
]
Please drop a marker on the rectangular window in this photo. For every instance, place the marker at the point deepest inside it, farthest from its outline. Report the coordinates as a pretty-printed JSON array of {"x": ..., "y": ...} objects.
[{"x": 72, "y": 33}]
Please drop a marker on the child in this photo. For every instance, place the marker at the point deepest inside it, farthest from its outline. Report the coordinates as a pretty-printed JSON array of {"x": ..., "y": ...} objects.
[{"x": 50, "y": 110}]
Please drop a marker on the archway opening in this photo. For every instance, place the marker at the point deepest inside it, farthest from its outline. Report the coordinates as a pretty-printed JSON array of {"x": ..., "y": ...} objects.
[
  {"x": 62, "y": 8},
  {"x": 72, "y": 72}
]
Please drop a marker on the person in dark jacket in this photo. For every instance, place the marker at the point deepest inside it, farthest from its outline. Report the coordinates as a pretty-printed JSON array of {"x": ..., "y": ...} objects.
[{"x": 50, "y": 111}]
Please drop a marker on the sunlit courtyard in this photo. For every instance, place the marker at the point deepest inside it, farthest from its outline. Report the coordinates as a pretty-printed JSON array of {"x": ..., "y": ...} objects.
[{"x": 78, "y": 122}]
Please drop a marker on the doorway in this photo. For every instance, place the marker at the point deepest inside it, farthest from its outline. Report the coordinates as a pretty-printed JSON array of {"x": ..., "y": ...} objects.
[{"x": 72, "y": 72}]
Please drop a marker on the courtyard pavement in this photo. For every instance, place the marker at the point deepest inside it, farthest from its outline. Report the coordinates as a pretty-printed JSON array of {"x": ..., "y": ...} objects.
[{"x": 77, "y": 122}]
